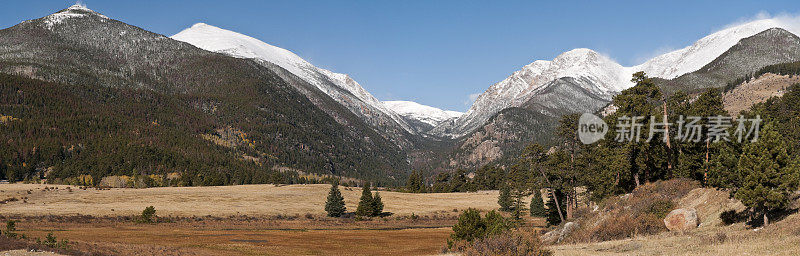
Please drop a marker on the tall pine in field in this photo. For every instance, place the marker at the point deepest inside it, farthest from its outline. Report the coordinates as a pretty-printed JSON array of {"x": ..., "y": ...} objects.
[
  {"x": 335, "y": 204},
  {"x": 365, "y": 203},
  {"x": 769, "y": 175},
  {"x": 537, "y": 205}
]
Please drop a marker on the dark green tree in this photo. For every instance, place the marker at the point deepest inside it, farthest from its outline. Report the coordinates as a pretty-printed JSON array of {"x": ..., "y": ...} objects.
[
  {"x": 553, "y": 215},
  {"x": 335, "y": 204},
  {"x": 365, "y": 203},
  {"x": 504, "y": 200},
  {"x": 415, "y": 183},
  {"x": 148, "y": 214},
  {"x": 769, "y": 175},
  {"x": 377, "y": 205},
  {"x": 537, "y": 205}
]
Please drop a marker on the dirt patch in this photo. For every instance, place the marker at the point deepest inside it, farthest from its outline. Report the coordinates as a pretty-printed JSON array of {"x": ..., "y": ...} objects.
[{"x": 756, "y": 91}]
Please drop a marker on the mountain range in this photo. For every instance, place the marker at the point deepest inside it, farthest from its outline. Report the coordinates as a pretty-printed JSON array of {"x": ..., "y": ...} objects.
[{"x": 303, "y": 117}]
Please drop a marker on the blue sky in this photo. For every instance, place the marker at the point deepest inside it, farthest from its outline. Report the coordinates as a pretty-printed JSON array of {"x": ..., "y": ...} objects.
[{"x": 437, "y": 53}]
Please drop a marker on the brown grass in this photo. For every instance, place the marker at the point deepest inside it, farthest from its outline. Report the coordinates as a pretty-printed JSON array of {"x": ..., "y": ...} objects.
[
  {"x": 756, "y": 91},
  {"x": 638, "y": 213},
  {"x": 221, "y": 238},
  {"x": 251, "y": 200},
  {"x": 234, "y": 220}
]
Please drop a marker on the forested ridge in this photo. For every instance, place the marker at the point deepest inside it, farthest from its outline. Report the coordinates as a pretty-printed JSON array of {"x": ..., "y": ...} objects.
[{"x": 61, "y": 132}]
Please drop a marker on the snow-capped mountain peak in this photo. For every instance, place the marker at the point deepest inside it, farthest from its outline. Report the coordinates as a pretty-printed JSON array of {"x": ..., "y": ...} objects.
[
  {"x": 340, "y": 87},
  {"x": 75, "y": 11},
  {"x": 585, "y": 64},
  {"x": 422, "y": 113},
  {"x": 602, "y": 76},
  {"x": 215, "y": 39},
  {"x": 705, "y": 50}
]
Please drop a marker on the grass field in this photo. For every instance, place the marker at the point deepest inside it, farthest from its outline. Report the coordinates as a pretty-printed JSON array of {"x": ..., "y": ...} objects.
[
  {"x": 235, "y": 220},
  {"x": 289, "y": 220},
  {"x": 225, "y": 201}
]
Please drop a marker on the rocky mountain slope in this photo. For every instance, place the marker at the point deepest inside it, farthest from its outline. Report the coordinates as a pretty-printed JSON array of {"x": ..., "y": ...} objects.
[
  {"x": 80, "y": 47},
  {"x": 772, "y": 46},
  {"x": 340, "y": 87},
  {"x": 595, "y": 71},
  {"x": 587, "y": 88},
  {"x": 602, "y": 75}
]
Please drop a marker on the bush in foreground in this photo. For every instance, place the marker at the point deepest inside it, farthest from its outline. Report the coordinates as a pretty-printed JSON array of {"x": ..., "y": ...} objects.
[
  {"x": 148, "y": 215},
  {"x": 510, "y": 243}
]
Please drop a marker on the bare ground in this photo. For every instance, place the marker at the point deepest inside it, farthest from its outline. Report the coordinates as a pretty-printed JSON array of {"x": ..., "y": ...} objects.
[{"x": 756, "y": 91}]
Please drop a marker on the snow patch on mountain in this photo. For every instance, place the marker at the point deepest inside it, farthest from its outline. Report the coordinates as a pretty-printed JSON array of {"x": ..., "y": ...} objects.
[
  {"x": 522, "y": 85},
  {"x": 215, "y": 39},
  {"x": 691, "y": 58},
  {"x": 426, "y": 114},
  {"x": 75, "y": 11}
]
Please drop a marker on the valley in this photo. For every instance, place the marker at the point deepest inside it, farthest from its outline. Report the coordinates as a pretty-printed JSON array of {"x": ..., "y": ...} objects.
[{"x": 117, "y": 140}]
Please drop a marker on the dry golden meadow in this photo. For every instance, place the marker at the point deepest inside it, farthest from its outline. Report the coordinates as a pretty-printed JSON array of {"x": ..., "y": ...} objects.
[
  {"x": 289, "y": 220},
  {"x": 235, "y": 220}
]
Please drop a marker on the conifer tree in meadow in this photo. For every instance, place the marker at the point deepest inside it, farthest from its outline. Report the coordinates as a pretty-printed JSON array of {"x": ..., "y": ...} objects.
[
  {"x": 365, "y": 204},
  {"x": 335, "y": 205}
]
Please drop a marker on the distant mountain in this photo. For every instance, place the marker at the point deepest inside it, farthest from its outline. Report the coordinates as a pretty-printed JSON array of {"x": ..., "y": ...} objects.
[
  {"x": 595, "y": 73},
  {"x": 772, "y": 46},
  {"x": 691, "y": 58},
  {"x": 582, "y": 80},
  {"x": 421, "y": 117},
  {"x": 340, "y": 87},
  {"x": 213, "y": 99},
  {"x": 601, "y": 75}
]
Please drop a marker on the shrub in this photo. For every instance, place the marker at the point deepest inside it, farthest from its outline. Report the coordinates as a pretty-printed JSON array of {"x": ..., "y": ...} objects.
[
  {"x": 50, "y": 240},
  {"x": 469, "y": 227},
  {"x": 507, "y": 243},
  {"x": 148, "y": 215},
  {"x": 641, "y": 212},
  {"x": 495, "y": 223},
  {"x": 660, "y": 208},
  {"x": 11, "y": 229}
]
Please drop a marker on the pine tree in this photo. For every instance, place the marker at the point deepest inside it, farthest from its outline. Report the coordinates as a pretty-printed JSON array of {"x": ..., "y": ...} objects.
[
  {"x": 335, "y": 205},
  {"x": 365, "y": 203},
  {"x": 537, "y": 205},
  {"x": 377, "y": 205},
  {"x": 504, "y": 200},
  {"x": 553, "y": 216},
  {"x": 769, "y": 175}
]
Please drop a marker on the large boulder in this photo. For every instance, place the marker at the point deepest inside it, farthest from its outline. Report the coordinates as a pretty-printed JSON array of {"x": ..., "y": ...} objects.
[
  {"x": 557, "y": 235},
  {"x": 682, "y": 219}
]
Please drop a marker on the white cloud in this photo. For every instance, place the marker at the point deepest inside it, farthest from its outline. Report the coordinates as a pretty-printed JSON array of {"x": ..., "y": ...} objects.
[
  {"x": 790, "y": 22},
  {"x": 643, "y": 57},
  {"x": 471, "y": 98}
]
